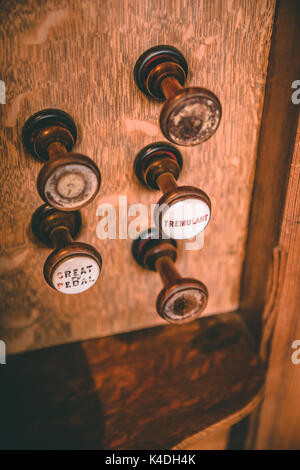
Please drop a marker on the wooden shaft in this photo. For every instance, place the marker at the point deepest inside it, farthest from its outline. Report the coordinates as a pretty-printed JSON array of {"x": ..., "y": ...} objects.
[
  {"x": 170, "y": 87},
  {"x": 54, "y": 149},
  {"x": 167, "y": 271},
  {"x": 166, "y": 182},
  {"x": 61, "y": 237}
]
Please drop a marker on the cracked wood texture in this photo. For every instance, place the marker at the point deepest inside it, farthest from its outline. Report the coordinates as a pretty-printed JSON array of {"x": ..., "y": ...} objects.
[
  {"x": 79, "y": 56},
  {"x": 115, "y": 393}
]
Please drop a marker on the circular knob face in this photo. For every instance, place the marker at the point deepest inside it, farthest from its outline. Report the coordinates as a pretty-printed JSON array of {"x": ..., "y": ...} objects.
[
  {"x": 185, "y": 218},
  {"x": 191, "y": 117},
  {"x": 183, "y": 302},
  {"x": 70, "y": 185},
  {"x": 69, "y": 182},
  {"x": 75, "y": 274}
]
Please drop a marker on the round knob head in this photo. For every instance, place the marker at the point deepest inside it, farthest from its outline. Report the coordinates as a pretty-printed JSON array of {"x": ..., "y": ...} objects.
[
  {"x": 73, "y": 269},
  {"x": 69, "y": 182},
  {"x": 183, "y": 213},
  {"x": 182, "y": 302},
  {"x": 191, "y": 116}
]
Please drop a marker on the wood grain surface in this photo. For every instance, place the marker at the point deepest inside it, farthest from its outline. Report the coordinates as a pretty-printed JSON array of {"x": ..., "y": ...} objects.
[
  {"x": 79, "y": 56},
  {"x": 148, "y": 389}
]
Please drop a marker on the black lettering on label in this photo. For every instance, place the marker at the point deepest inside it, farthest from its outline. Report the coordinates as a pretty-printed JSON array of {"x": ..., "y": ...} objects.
[
  {"x": 76, "y": 278},
  {"x": 184, "y": 222}
]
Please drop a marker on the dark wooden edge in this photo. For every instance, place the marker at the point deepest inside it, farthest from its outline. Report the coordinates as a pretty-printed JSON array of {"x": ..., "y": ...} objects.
[
  {"x": 148, "y": 389},
  {"x": 275, "y": 148}
]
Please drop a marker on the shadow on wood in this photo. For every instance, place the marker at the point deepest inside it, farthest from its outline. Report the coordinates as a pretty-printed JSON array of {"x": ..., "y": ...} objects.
[{"x": 149, "y": 389}]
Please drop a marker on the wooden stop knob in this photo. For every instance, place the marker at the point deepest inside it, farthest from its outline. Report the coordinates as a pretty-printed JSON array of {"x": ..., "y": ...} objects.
[
  {"x": 183, "y": 211},
  {"x": 182, "y": 299},
  {"x": 189, "y": 116},
  {"x": 73, "y": 267},
  {"x": 67, "y": 181}
]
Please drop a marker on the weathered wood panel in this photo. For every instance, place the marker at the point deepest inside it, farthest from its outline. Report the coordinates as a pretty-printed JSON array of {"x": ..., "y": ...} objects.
[{"x": 79, "y": 56}]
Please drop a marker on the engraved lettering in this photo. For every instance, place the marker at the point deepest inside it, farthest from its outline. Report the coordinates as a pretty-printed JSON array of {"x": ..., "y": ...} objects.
[{"x": 184, "y": 222}]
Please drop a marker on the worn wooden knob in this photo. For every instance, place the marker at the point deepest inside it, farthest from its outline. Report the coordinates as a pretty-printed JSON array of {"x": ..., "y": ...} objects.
[
  {"x": 68, "y": 181},
  {"x": 183, "y": 211},
  {"x": 182, "y": 299},
  {"x": 72, "y": 267},
  {"x": 190, "y": 115}
]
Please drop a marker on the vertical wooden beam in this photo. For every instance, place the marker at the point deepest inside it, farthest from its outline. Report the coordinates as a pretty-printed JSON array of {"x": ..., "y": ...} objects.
[
  {"x": 277, "y": 424},
  {"x": 276, "y": 143}
]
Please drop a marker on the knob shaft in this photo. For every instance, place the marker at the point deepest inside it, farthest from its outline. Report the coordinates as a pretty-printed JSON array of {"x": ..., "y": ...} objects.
[
  {"x": 183, "y": 211},
  {"x": 72, "y": 267},
  {"x": 189, "y": 116},
  {"x": 68, "y": 180},
  {"x": 182, "y": 299}
]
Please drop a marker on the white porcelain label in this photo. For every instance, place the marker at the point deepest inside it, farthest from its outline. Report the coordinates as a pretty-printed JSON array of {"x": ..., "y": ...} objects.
[
  {"x": 185, "y": 219},
  {"x": 75, "y": 275}
]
